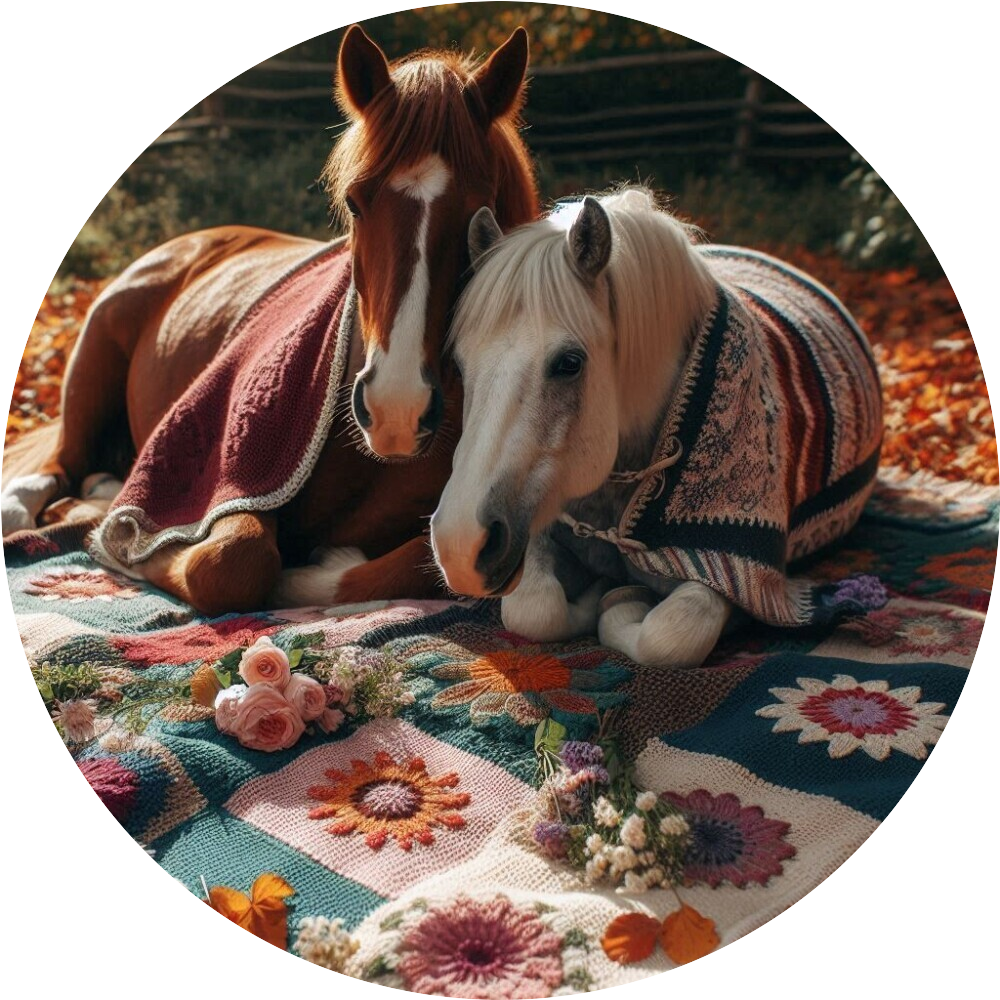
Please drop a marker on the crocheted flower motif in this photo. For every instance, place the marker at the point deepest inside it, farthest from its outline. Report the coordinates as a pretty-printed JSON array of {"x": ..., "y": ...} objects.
[
  {"x": 389, "y": 800},
  {"x": 849, "y": 714},
  {"x": 494, "y": 684},
  {"x": 193, "y": 642},
  {"x": 934, "y": 634},
  {"x": 481, "y": 950},
  {"x": 37, "y": 546},
  {"x": 523, "y": 681},
  {"x": 76, "y": 585},
  {"x": 730, "y": 842},
  {"x": 116, "y": 786},
  {"x": 972, "y": 567}
]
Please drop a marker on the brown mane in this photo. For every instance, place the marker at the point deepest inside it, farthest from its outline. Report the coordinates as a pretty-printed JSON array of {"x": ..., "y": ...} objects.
[{"x": 431, "y": 110}]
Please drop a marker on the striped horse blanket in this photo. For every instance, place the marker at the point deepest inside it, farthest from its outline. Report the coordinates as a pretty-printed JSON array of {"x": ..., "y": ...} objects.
[{"x": 778, "y": 415}]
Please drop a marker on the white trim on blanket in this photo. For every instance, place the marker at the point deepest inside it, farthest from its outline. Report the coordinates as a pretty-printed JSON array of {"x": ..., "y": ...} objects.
[{"x": 126, "y": 537}]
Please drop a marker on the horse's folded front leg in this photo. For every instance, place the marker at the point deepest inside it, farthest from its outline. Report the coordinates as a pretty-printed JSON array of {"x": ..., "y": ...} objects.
[
  {"x": 680, "y": 631},
  {"x": 539, "y": 609},
  {"x": 345, "y": 576},
  {"x": 233, "y": 569}
]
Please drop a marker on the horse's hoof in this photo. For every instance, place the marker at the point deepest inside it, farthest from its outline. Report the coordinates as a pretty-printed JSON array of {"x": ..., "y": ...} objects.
[
  {"x": 15, "y": 516},
  {"x": 627, "y": 595},
  {"x": 317, "y": 585},
  {"x": 101, "y": 486}
]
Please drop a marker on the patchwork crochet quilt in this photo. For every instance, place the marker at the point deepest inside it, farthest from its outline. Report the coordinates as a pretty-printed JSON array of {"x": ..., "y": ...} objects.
[{"x": 782, "y": 754}]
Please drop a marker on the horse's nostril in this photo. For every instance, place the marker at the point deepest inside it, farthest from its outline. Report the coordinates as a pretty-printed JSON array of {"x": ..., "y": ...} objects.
[
  {"x": 431, "y": 420},
  {"x": 361, "y": 414},
  {"x": 496, "y": 545}
]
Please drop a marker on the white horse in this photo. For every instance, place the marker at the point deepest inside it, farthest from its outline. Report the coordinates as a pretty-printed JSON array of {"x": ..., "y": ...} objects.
[{"x": 572, "y": 338}]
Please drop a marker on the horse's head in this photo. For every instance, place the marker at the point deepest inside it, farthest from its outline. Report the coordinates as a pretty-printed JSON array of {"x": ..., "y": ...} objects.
[
  {"x": 533, "y": 339},
  {"x": 569, "y": 337},
  {"x": 432, "y": 138}
]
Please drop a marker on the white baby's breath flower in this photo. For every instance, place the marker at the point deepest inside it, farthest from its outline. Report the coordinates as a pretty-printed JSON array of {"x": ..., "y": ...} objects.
[
  {"x": 673, "y": 825},
  {"x": 117, "y": 740},
  {"x": 645, "y": 801},
  {"x": 324, "y": 942},
  {"x": 605, "y": 813},
  {"x": 634, "y": 832},
  {"x": 77, "y": 718},
  {"x": 634, "y": 883},
  {"x": 623, "y": 858},
  {"x": 594, "y": 869},
  {"x": 594, "y": 843}
]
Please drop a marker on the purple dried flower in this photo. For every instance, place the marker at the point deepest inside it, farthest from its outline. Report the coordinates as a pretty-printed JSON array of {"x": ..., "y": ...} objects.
[
  {"x": 863, "y": 589},
  {"x": 597, "y": 774},
  {"x": 552, "y": 837},
  {"x": 577, "y": 755}
]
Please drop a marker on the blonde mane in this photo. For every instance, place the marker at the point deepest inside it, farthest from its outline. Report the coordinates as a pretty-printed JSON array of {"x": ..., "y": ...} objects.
[{"x": 658, "y": 288}]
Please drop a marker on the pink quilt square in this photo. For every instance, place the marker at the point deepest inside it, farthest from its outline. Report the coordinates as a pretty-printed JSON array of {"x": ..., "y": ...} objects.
[{"x": 388, "y": 807}]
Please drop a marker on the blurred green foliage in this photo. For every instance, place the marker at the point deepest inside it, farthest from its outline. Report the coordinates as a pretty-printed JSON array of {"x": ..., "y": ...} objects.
[
  {"x": 269, "y": 178},
  {"x": 880, "y": 232}
]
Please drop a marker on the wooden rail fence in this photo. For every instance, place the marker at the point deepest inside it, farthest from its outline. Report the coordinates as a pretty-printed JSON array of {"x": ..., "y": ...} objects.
[{"x": 745, "y": 126}]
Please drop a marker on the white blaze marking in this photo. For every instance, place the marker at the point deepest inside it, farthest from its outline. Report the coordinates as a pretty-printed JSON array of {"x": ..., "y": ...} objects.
[{"x": 424, "y": 182}]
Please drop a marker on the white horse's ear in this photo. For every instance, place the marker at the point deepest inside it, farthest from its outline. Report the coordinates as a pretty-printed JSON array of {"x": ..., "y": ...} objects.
[
  {"x": 499, "y": 82},
  {"x": 484, "y": 231},
  {"x": 362, "y": 70},
  {"x": 588, "y": 241}
]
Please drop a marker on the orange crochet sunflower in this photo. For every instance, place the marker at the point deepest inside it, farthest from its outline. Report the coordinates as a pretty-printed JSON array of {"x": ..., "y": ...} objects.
[
  {"x": 494, "y": 683},
  {"x": 389, "y": 799}
]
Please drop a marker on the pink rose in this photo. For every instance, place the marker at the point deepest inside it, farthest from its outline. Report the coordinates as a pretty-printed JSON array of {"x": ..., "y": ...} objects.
[
  {"x": 227, "y": 705},
  {"x": 331, "y": 720},
  {"x": 307, "y": 695},
  {"x": 265, "y": 663},
  {"x": 335, "y": 694},
  {"x": 262, "y": 719}
]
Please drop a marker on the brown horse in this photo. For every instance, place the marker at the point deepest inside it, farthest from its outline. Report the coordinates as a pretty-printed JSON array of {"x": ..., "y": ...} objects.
[{"x": 432, "y": 138}]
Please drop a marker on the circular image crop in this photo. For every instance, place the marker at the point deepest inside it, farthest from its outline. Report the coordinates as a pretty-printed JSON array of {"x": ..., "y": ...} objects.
[{"x": 499, "y": 500}]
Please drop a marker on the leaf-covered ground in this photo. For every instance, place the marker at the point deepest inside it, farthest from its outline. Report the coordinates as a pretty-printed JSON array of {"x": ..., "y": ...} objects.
[{"x": 938, "y": 414}]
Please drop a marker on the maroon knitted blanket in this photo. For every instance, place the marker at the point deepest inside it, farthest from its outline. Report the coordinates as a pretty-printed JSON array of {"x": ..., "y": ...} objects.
[{"x": 246, "y": 434}]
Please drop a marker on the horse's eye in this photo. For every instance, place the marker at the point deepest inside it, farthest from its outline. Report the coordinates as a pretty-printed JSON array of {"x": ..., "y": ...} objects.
[
  {"x": 352, "y": 207},
  {"x": 567, "y": 366}
]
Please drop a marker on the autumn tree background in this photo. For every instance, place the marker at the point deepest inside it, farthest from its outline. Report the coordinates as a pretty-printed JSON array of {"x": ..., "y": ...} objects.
[{"x": 611, "y": 99}]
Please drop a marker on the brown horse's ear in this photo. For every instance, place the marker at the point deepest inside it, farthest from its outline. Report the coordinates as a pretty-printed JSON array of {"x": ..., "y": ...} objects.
[
  {"x": 499, "y": 80},
  {"x": 484, "y": 231},
  {"x": 362, "y": 70}
]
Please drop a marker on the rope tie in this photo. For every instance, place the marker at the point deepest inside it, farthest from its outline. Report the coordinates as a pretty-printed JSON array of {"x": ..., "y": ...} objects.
[{"x": 583, "y": 530}]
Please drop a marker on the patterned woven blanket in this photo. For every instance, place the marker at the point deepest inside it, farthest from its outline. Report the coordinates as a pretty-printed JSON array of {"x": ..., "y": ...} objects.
[
  {"x": 782, "y": 754},
  {"x": 248, "y": 431},
  {"x": 778, "y": 416}
]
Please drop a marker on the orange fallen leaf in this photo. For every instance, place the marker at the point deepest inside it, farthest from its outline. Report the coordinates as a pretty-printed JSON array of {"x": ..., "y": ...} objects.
[
  {"x": 263, "y": 912},
  {"x": 205, "y": 686},
  {"x": 687, "y": 935},
  {"x": 630, "y": 937}
]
